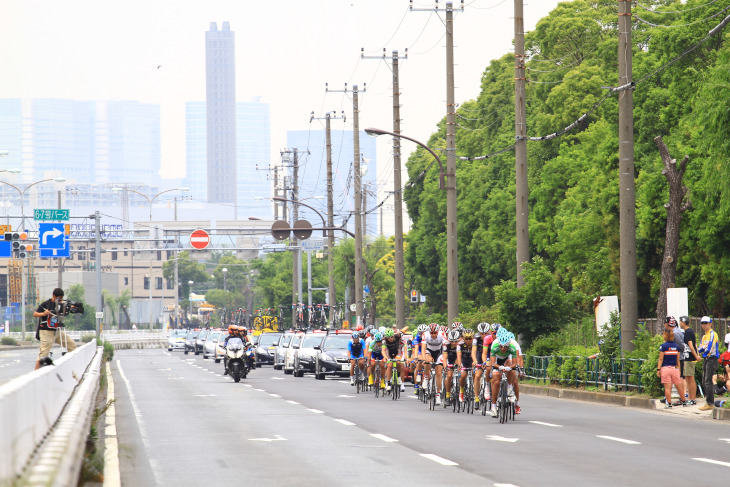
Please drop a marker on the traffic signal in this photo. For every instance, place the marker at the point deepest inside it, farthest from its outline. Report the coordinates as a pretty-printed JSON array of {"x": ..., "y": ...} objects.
[
  {"x": 414, "y": 296},
  {"x": 18, "y": 245}
]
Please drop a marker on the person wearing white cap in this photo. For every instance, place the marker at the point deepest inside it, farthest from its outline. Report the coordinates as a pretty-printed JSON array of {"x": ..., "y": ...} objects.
[{"x": 710, "y": 351}]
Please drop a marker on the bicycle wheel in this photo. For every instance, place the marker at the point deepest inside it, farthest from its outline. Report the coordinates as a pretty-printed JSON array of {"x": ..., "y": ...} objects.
[
  {"x": 502, "y": 401},
  {"x": 469, "y": 394},
  {"x": 376, "y": 382},
  {"x": 432, "y": 391}
]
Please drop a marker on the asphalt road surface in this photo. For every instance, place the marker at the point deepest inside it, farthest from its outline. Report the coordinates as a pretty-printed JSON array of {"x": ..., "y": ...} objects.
[
  {"x": 15, "y": 362},
  {"x": 180, "y": 422}
]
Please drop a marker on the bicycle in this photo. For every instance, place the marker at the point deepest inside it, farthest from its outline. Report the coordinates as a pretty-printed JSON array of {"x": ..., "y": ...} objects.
[
  {"x": 485, "y": 393},
  {"x": 376, "y": 381},
  {"x": 505, "y": 407},
  {"x": 468, "y": 404},
  {"x": 394, "y": 384},
  {"x": 360, "y": 381},
  {"x": 455, "y": 404},
  {"x": 430, "y": 392}
]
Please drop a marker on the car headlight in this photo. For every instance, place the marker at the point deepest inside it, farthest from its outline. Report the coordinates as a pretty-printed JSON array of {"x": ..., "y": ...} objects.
[{"x": 328, "y": 358}]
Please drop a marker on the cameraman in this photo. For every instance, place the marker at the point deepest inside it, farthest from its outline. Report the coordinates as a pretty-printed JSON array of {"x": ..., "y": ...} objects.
[{"x": 48, "y": 334}]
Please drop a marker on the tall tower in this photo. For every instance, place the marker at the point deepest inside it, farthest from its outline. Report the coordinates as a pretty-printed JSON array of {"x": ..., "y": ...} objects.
[{"x": 220, "y": 74}]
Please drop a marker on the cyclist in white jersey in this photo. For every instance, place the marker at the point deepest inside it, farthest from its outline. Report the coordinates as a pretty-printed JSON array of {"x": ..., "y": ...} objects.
[{"x": 432, "y": 345}]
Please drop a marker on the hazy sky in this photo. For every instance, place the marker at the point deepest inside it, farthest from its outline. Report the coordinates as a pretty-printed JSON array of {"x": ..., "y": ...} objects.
[{"x": 286, "y": 50}]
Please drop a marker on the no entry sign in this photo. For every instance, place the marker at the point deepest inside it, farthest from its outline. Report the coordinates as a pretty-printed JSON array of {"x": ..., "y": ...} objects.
[{"x": 199, "y": 239}]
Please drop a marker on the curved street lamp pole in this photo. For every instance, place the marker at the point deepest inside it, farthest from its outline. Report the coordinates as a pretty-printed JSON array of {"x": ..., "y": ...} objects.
[{"x": 452, "y": 271}]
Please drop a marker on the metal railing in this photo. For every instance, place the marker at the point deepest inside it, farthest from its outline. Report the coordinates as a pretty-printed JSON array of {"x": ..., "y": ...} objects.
[{"x": 624, "y": 374}]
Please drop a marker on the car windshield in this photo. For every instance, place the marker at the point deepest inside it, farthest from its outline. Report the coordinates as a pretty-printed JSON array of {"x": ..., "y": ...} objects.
[
  {"x": 194, "y": 334},
  {"x": 311, "y": 341},
  {"x": 268, "y": 340},
  {"x": 203, "y": 335},
  {"x": 214, "y": 336},
  {"x": 177, "y": 333},
  {"x": 295, "y": 340},
  {"x": 337, "y": 342}
]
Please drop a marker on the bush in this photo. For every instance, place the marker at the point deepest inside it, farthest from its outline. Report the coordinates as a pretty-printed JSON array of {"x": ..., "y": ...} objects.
[
  {"x": 6, "y": 340},
  {"x": 108, "y": 353},
  {"x": 86, "y": 338}
]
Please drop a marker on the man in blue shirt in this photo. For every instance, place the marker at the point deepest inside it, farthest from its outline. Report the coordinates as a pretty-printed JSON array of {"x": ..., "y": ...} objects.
[{"x": 355, "y": 352}]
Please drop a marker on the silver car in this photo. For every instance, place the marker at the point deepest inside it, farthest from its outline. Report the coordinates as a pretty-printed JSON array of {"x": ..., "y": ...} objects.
[
  {"x": 176, "y": 340},
  {"x": 281, "y": 348},
  {"x": 211, "y": 344},
  {"x": 291, "y": 352}
]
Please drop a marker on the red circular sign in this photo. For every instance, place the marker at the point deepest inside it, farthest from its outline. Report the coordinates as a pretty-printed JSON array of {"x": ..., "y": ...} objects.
[{"x": 199, "y": 239}]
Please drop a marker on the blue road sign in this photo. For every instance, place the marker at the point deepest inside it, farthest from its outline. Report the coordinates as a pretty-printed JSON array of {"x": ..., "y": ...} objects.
[
  {"x": 5, "y": 249},
  {"x": 51, "y": 236},
  {"x": 55, "y": 253}
]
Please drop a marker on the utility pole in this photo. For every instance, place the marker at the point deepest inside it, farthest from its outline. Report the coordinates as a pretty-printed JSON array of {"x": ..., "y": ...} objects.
[
  {"x": 627, "y": 199},
  {"x": 97, "y": 232},
  {"x": 521, "y": 189},
  {"x": 276, "y": 192},
  {"x": 400, "y": 316},
  {"x": 296, "y": 252},
  {"x": 58, "y": 261},
  {"x": 330, "y": 214},
  {"x": 358, "y": 201},
  {"x": 452, "y": 261}
]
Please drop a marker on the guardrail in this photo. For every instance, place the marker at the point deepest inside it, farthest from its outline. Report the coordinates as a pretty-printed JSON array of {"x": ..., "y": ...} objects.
[
  {"x": 571, "y": 370},
  {"x": 32, "y": 403},
  {"x": 107, "y": 334}
]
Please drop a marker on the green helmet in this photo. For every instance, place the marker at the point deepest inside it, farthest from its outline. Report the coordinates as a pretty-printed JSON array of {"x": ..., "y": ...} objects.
[{"x": 389, "y": 333}]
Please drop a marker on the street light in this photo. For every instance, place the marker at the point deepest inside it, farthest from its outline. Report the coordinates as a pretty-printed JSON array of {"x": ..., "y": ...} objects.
[
  {"x": 225, "y": 273},
  {"x": 149, "y": 199},
  {"x": 14, "y": 171},
  {"x": 452, "y": 270},
  {"x": 4, "y": 153},
  {"x": 21, "y": 192}
]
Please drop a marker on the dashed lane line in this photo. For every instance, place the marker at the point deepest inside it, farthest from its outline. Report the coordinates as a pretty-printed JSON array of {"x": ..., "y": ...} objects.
[
  {"x": 620, "y": 440},
  {"x": 384, "y": 438},
  {"x": 439, "y": 459},
  {"x": 345, "y": 422},
  {"x": 547, "y": 424},
  {"x": 315, "y": 411},
  {"x": 293, "y": 402},
  {"x": 714, "y": 462}
]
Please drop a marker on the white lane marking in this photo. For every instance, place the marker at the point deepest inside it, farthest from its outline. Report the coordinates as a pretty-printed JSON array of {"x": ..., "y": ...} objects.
[
  {"x": 345, "y": 422},
  {"x": 140, "y": 423},
  {"x": 175, "y": 378},
  {"x": 547, "y": 424},
  {"x": 112, "y": 476},
  {"x": 505, "y": 485},
  {"x": 292, "y": 402},
  {"x": 724, "y": 439},
  {"x": 168, "y": 353},
  {"x": 438, "y": 459},
  {"x": 344, "y": 395},
  {"x": 384, "y": 438},
  {"x": 204, "y": 395},
  {"x": 613, "y": 438},
  {"x": 274, "y": 395},
  {"x": 501, "y": 438},
  {"x": 315, "y": 411},
  {"x": 260, "y": 390},
  {"x": 247, "y": 385},
  {"x": 275, "y": 438},
  {"x": 715, "y": 462},
  {"x": 277, "y": 378}
]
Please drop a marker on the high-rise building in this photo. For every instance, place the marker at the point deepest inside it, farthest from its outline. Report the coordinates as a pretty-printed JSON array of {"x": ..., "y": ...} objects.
[
  {"x": 220, "y": 76},
  {"x": 253, "y": 146},
  {"x": 311, "y": 145},
  {"x": 84, "y": 141}
]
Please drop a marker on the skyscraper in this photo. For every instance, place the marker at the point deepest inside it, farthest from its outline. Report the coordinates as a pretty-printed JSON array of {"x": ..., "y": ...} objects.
[{"x": 220, "y": 75}]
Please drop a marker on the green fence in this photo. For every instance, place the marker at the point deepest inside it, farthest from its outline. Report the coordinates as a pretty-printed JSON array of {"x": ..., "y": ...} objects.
[{"x": 614, "y": 374}]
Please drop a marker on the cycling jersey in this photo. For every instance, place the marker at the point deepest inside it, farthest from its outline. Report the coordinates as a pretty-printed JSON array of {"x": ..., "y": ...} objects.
[
  {"x": 466, "y": 360},
  {"x": 394, "y": 348},
  {"x": 376, "y": 350},
  {"x": 416, "y": 342},
  {"x": 450, "y": 352},
  {"x": 487, "y": 342},
  {"x": 355, "y": 349},
  {"x": 479, "y": 344},
  {"x": 502, "y": 357},
  {"x": 433, "y": 344}
]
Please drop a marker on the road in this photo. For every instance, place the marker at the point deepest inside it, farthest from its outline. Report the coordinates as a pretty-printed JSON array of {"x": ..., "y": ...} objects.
[
  {"x": 15, "y": 362},
  {"x": 179, "y": 421}
]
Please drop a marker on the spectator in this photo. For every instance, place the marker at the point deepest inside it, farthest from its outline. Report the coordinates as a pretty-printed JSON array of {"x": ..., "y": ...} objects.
[
  {"x": 668, "y": 369},
  {"x": 47, "y": 332},
  {"x": 690, "y": 359},
  {"x": 670, "y": 323},
  {"x": 727, "y": 341},
  {"x": 710, "y": 351},
  {"x": 722, "y": 380}
]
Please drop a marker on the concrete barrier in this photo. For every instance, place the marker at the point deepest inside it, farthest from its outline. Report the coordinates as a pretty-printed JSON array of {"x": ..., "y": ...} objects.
[{"x": 32, "y": 403}]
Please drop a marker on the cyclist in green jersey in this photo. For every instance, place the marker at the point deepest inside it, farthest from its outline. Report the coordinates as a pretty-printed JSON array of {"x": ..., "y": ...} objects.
[{"x": 503, "y": 355}]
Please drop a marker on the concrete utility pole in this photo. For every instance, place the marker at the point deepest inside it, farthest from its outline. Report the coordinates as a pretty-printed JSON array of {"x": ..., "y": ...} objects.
[
  {"x": 97, "y": 268},
  {"x": 452, "y": 293},
  {"x": 358, "y": 206},
  {"x": 521, "y": 190},
  {"x": 400, "y": 315},
  {"x": 296, "y": 280},
  {"x": 58, "y": 261},
  {"x": 627, "y": 199}
]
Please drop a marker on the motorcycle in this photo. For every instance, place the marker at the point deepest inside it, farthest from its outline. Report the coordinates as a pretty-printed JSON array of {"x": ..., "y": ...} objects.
[{"x": 238, "y": 359}]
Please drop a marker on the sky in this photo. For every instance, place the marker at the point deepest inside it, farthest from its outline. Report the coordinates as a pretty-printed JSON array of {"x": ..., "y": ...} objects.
[{"x": 153, "y": 51}]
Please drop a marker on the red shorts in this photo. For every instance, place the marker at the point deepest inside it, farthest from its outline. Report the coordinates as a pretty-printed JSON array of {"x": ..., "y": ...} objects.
[{"x": 670, "y": 375}]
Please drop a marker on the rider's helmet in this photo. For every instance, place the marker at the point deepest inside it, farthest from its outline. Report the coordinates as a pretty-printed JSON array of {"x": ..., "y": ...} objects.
[
  {"x": 362, "y": 334},
  {"x": 495, "y": 327},
  {"x": 389, "y": 333},
  {"x": 355, "y": 335},
  {"x": 232, "y": 330},
  {"x": 468, "y": 334},
  {"x": 242, "y": 331},
  {"x": 454, "y": 335},
  {"x": 378, "y": 337},
  {"x": 359, "y": 327},
  {"x": 483, "y": 327},
  {"x": 456, "y": 325},
  {"x": 381, "y": 329},
  {"x": 421, "y": 328},
  {"x": 433, "y": 327},
  {"x": 503, "y": 337},
  {"x": 444, "y": 329}
]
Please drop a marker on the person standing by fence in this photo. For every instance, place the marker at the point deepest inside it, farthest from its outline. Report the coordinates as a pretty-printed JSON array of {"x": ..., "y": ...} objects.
[
  {"x": 668, "y": 369},
  {"x": 689, "y": 359},
  {"x": 710, "y": 351}
]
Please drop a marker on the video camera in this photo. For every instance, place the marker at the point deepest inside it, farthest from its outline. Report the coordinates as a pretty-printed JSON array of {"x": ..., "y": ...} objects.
[{"x": 67, "y": 307}]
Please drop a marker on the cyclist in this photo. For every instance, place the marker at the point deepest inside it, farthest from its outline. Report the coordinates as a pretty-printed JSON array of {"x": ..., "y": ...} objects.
[
  {"x": 520, "y": 372},
  {"x": 476, "y": 357},
  {"x": 393, "y": 350},
  {"x": 450, "y": 359},
  {"x": 375, "y": 357},
  {"x": 503, "y": 355},
  {"x": 415, "y": 350},
  {"x": 355, "y": 349},
  {"x": 465, "y": 358},
  {"x": 432, "y": 344}
]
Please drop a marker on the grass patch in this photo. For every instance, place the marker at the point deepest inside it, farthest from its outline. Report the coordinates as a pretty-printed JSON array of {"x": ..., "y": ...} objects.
[{"x": 8, "y": 341}]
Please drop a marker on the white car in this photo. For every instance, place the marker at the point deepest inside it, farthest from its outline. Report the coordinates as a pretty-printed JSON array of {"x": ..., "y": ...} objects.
[
  {"x": 291, "y": 353},
  {"x": 176, "y": 340}
]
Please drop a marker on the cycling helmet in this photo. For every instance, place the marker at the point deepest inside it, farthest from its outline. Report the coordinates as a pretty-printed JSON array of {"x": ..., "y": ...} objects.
[
  {"x": 483, "y": 327},
  {"x": 358, "y": 327},
  {"x": 503, "y": 337},
  {"x": 433, "y": 327},
  {"x": 467, "y": 334},
  {"x": 422, "y": 328},
  {"x": 381, "y": 329},
  {"x": 456, "y": 325},
  {"x": 444, "y": 328},
  {"x": 389, "y": 333},
  {"x": 495, "y": 327},
  {"x": 355, "y": 335},
  {"x": 362, "y": 334},
  {"x": 378, "y": 337},
  {"x": 453, "y": 335}
]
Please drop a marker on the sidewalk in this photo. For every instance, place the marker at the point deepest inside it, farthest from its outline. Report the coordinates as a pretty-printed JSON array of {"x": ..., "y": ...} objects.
[{"x": 629, "y": 401}]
